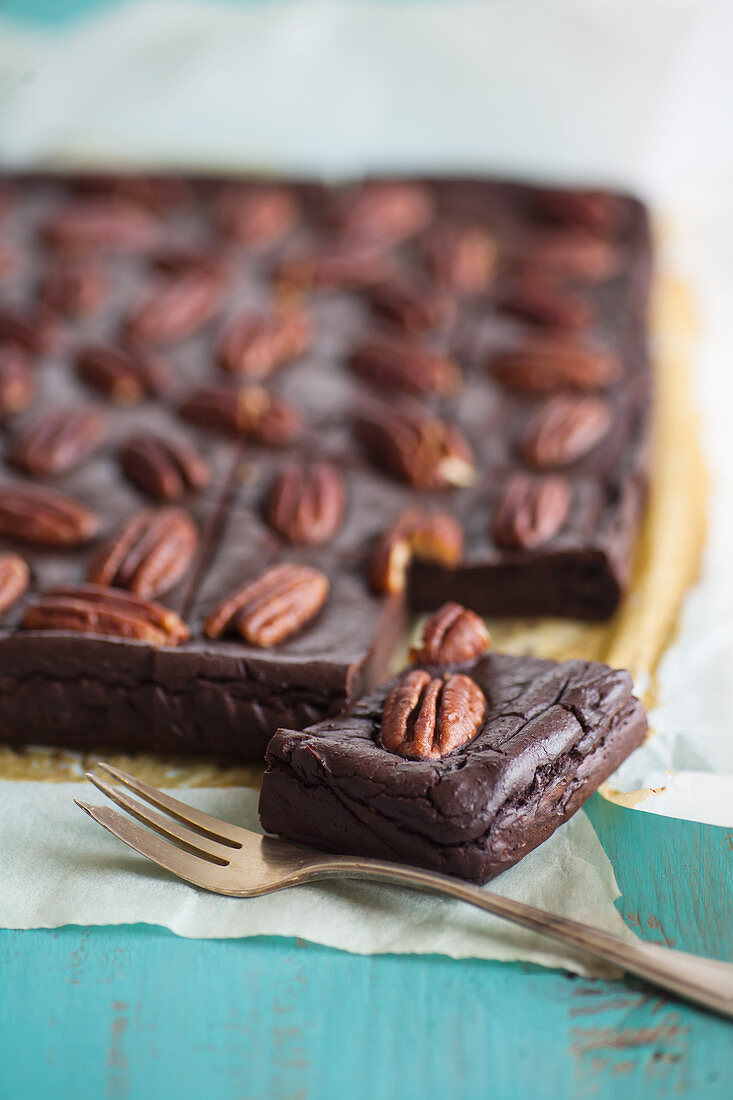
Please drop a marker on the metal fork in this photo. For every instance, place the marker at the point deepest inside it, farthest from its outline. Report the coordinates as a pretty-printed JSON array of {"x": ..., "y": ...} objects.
[{"x": 227, "y": 859}]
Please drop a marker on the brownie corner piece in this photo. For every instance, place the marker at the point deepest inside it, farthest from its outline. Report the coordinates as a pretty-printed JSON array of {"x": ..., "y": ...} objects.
[{"x": 550, "y": 735}]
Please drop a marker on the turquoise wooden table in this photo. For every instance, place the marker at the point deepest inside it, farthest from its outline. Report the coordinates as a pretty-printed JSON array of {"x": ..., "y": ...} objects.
[{"x": 135, "y": 1013}]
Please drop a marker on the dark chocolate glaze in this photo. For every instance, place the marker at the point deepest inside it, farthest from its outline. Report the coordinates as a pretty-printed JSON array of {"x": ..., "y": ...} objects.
[
  {"x": 224, "y": 697},
  {"x": 551, "y": 734}
]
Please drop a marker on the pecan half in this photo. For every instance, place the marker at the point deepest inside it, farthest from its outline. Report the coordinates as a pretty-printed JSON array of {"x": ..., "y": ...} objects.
[
  {"x": 256, "y": 344},
  {"x": 99, "y": 224},
  {"x": 530, "y": 511},
  {"x": 383, "y": 212},
  {"x": 44, "y": 516},
  {"x": 427, "y": 452},
  {"x": 598, "y": 211},
  {"x": 149, "y": 554},
  {"x": 246, "y": 411},
  {"x": 451, "y": 635},
  {"x": 403, "y": 365},
  {"x": 10, "y": 259},
  {"x": 565, "y": 429},
  {"x": 190, "y": 259},
  {"x": 427, "y": 718},
  {"x": 124, "y": 375},
  {"x": 554, "y": 362},
  {"x": 258, "y": 215},
  {"x": 412, "y": 307},
  {"x": 34, "y": 328},
  {"x": 17, "y": 383},
  {"x": 462, "y": 259},
  {"x": 543, "y": 303},
  {"x": 159, "y": 193},
  {"x": 574, "y": 253},
  {"x": 58, "y": 440},
  {"x": 8, "y": 196},
  {"x": 91, "y": 609},
  {"x": 164, "y": 468},
  {"x": 306, "y": 503},
  {"x": 336, "y": 266},
  {"x": 419, "y": 534},
  {"x": 272, "y": 608},
  {"x": 14, "y": 580},
  {"x": 180, "y": 306},
  {"x": 72, "y": 285}
]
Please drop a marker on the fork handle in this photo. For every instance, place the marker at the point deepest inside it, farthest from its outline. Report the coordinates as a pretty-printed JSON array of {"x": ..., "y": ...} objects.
[{"x": 706, "y": 982}]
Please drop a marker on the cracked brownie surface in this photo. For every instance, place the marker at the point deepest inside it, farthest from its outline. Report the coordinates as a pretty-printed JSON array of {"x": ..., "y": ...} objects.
[{"x": 551, "y": 733}]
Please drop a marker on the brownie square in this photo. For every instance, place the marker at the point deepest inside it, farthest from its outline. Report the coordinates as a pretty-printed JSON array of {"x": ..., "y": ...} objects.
[{"x": 551, "y": 733}]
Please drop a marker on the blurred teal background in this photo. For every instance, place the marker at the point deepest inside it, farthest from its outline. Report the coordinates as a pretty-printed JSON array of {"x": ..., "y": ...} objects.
[
  {"x": 51, "y": 11},
  {"x": 56, "y": 12}
]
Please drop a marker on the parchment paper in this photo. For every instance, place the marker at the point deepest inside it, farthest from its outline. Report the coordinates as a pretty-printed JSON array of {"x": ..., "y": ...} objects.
[
  {"x": 637, "y": 94},
  {"x": 79, "y": 874}
]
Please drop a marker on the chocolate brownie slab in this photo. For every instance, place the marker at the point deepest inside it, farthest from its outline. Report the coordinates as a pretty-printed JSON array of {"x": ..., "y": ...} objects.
[{"x": 415, "y": 389}]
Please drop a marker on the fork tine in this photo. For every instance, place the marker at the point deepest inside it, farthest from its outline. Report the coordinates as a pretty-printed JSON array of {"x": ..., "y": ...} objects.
[
  {"x": 211, "y": 827},
  {"x": 192, "y": 868},
  {"x": 192, "y": 841}
]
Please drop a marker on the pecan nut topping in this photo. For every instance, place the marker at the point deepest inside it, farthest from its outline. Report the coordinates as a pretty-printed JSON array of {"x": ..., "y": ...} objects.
[
  {"x": 570, "y": 253},
  {"x": 306, "y": 503},
  {"x": 8, "y": 196},
  {"x": 158, "y": 193},
  {"x": 412, "y": 306},
  {"x": 337, "y": 266},
  {"x": 247, "y": 411},
  {"x": 150, "y": 553},
  {"x": 34, "y": 328},
  {"x": 17, "y": 383},
  {"x": 418, "y": 534},
  {"x": 425, "y": 718},
  {"x": 72, "y": 285},
  {"x": 598, "y": 211},
  {"x": 58, "y": 441},
  {"x": 423, "y": 450},
  {"x": 92, "y": 609},
  {"x": 187, "y": 260},
  {"x": 14, "y": 580},
  {"x": 531, "y": 510},
  {"x": 256, "y": 344},
  {"x": 273, "y": 607},
  {"x": 99, "y": 224},
  {"x": 565, "y": 429},
  {"x": 9, "y": 259},
  {"x": 177, "y": 308},
  {"x": 545, "y": 304},
  {"x": 462, "y": 259},
  {"x": 162, "y": 467},
  {"x": 383, "y": 213},
  {"x": 44, "y": 516},
  {"x": 125, "y": 376},
  {"x": 392, "y": 363},
  {"x": 258, "y": 215},
  {"x": 543, "y": 365},
  {"x": 451, "y": 635}
]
